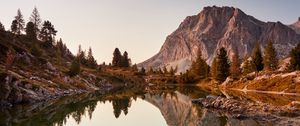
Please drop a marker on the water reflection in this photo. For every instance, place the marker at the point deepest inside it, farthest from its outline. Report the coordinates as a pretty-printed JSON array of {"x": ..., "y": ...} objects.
[{"x": 158, "y": 105}]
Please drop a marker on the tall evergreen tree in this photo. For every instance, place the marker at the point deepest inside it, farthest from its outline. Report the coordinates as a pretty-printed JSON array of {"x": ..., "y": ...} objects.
[
  {"x": 91, "y": 60},
  {"x": 270, "y": 58},
  {"x": 36, "y": 20},
  {"x": 199, "y": 67},
  {"x": 134, "y": 68},
  {"x": 173, "y": 71},
  {"x": 247, "y": 66},
  {"x": 75, "y": 67},
  {"x": 143, "y": 71},
  {"x": 47, "y": 33},
  {"x": 117, "y": 57},
  {"x": 2, "y": 29},
  {"x": 235, "y": 70},
  {"x": 19, "y": 22},
  {"x": 165, "y": 70},
  {"x": 257, "y": 58},
  {"x": 14, "y": 26},
  {"x": 295, "y": 58},
  {"x": 222, "y": 65},
  {"x": 213, "y": 69},
  {"x": 125, "y": 60},
  {"x": 30, "y": 32},
  {"x": 150, "y": 71},
  {"x": 82, "y": 56}
]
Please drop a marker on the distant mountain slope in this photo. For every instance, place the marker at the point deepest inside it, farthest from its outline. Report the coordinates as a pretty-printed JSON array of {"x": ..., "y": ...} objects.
[{"x": 216, "y": 27}]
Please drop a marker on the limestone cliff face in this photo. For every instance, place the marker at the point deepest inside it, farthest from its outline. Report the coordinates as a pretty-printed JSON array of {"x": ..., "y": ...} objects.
[{"x": 216, "y": 27}]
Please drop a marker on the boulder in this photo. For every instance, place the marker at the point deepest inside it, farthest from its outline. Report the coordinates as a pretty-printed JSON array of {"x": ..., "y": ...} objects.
[{"x": 49, "y": 66}]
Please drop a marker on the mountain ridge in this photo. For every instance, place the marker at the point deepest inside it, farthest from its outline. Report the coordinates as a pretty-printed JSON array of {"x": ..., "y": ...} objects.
[{"x": 216, "y": 27}]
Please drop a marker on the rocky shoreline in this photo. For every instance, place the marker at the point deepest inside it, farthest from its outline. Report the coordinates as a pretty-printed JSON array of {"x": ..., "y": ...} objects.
[
  {"x": 262, "y": 112},
  {"x": 14, "y": 91}
]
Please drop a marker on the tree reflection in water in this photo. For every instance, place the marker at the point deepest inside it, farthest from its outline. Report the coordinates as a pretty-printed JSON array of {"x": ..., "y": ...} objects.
[{"x": 174, "y": 103}]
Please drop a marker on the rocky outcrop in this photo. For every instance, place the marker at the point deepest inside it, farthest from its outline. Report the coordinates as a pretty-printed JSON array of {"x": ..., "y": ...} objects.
[
  {"x": 216, "y": 27},
  {"x": 296, "y": 26},
  {"x": 260, "y": 112}
]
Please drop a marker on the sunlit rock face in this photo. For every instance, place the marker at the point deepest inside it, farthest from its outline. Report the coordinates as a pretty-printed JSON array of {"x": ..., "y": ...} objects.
[{"x": 216, "y": 27}]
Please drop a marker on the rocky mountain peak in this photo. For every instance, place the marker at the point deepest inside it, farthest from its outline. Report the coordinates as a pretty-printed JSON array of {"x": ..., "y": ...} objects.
[
  {"x": 296, "y": 26},
  {"x": 215, "y": 27}
]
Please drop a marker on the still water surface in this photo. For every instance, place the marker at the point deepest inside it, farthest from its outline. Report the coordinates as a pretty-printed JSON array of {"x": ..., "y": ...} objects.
[{"x": 157, "y": 106}]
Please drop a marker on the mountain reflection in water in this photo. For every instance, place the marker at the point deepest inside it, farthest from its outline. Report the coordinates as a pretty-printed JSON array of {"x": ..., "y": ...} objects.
[{"x": 165, "y": 105}]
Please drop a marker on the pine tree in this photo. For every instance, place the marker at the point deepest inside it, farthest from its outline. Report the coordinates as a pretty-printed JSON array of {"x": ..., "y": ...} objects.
[
  {"x": 270, "y": 58},
  {"x": 222, "y": 65},
  {"x": 2, "y": 29},
  {"x": 117, "y": 57},
  {"x": 165, "y": 70},
  {"x": 36, "y": 20},
  {"x": 213, "y": 70},
  {"x": 257, "y": 59},
  {"x": 295, "y": 58},
  {"x": 75, "y": 67},
  {"x": 143, "y": 71},
  {"x": 247, "y": 66},
  {"x": 14, "y": 26},
  {"x": 47, "y": 33},
  {"x": 235, "y": 70},
  {"x": 199, "y": 67},
  {"x": 30, "y": 32},
  {"x": 91, "y": 60},
  {"x": 150, "y": 71},
  {"x": 172, "y": 71},
  {"x": 125, "y": 60},
  {"x": 134, "y": 68},
  {"x": 82, "y": 56},
  {"x": 19, "y": 22}
]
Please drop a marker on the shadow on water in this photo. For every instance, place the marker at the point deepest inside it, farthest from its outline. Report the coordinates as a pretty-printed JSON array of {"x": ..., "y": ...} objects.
[{"x": 173, "y": 102}]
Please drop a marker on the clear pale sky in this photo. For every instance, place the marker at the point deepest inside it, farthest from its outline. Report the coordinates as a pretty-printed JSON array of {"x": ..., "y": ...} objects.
[{"x": 137, "y": 26}]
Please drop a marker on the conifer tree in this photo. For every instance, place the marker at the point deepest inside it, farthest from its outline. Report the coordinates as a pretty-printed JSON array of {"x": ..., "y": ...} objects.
[
  {"x": 165, "y": 70},
  {"x": 75, "y": 67},
  {"x": 247, "y": 66},
  {"x": 125, "y": 60},
  {"x": 143, "y": 71},
  {"x": 150, "y": 71},
  {"x": 117, "y": 57},
  {"x": 19, "y": 22},
  {"x": 47, "y": 33},
  {"x": 14, "y": 26},
  {"x": 295, "y": 58},
  {"x": 222, "y": 65},
  {"x": 2, "y": 29},
  {"x": 235, "y": 70},
  {"x": 213, "y": 70},
  {"x": 199, "y": 67},
  {"x": 91, "y": 60},
  {"x": 36, "y": 20},
  {"x": 257, "y": 59},
  {"x": 82, "y": 56},
  {"x": 30, "y": 32},
  {"x": 135, "y": 68},
  {"x": 270, "y": 58}
]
